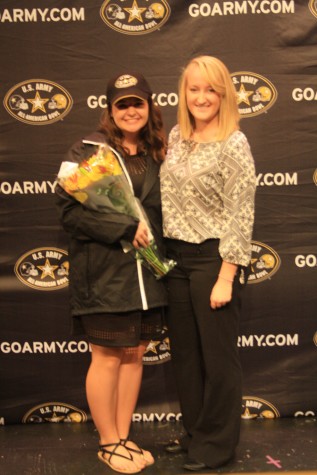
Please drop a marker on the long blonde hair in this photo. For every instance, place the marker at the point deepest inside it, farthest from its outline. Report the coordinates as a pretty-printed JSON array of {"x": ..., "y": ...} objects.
[{"x": 218, "y": 76}]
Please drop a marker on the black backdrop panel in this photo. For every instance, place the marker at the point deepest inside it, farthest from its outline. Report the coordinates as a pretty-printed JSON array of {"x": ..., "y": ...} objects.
[{"x": 56, "y": 58}]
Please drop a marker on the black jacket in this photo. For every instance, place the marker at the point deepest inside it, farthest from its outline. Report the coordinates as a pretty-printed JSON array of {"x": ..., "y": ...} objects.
[{"x": 102, "y": 277}]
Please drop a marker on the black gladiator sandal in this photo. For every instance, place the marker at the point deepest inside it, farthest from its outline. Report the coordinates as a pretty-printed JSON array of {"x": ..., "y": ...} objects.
[
  {"x": 148, "y": 461},
  {"x": 104, "y": 450}
]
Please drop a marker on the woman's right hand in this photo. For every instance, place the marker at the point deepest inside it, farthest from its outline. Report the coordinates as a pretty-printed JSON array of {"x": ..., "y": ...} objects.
[{"x": 141, "y": 238}]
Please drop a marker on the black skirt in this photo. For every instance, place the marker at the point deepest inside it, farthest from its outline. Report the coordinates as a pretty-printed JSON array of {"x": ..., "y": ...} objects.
[{"x": 124, "y": 329}]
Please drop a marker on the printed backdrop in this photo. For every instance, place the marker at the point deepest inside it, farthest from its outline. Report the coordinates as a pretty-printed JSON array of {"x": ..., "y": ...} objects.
[{"x": 56, "y": 58}]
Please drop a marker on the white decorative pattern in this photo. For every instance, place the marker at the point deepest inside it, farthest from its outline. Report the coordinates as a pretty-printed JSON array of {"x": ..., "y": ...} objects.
[{"x": 208, "y": 192}]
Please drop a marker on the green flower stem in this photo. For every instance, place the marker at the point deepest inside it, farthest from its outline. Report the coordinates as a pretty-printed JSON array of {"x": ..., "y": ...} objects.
[{"x": 160, "y": 266}]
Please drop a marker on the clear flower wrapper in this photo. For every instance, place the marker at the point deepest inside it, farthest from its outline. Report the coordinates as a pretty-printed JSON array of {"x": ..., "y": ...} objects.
[{"x": 102, "y": 183}]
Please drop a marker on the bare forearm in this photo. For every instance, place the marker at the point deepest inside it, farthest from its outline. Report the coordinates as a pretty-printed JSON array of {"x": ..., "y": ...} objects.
[{"x": 227, "y": 271}]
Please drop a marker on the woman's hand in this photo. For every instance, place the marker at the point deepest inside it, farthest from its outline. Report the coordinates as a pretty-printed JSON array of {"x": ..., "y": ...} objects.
[
  {"x": 221, "y": 293},
  {"x": 141, "y": 238}
]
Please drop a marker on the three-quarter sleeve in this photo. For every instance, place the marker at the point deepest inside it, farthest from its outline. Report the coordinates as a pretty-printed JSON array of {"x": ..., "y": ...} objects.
[{"x": 238, "y": 173}]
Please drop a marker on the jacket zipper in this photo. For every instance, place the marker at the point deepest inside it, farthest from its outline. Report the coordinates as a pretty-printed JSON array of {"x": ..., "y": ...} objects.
[
  {"x": 138, "y": 262},
  {"x": 141, "y": 285}
]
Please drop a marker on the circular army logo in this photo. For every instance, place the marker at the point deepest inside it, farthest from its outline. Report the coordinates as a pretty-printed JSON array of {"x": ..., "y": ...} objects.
[
  {"x": 315, "y": 177},
  {"x": 313, "y": 7},
  {"x": 54, "y": 412},
  {"x": 136, "y": 17},
  {"x": 38, "y": 102},
  {"x": 45, "y": 268},
  {"x": 315, "y": 338},
  {"x": 265, "y": 262},
  {"x": 255, "y": 93},
  {"x": 158, "y": 350},
  {"x": 254, "y": 408}
]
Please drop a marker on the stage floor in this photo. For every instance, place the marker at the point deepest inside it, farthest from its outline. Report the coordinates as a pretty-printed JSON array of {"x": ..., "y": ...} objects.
[{"x": 266, "y": 446}]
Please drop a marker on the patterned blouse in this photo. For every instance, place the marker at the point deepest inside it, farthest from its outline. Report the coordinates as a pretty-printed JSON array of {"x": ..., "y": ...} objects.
[{"x": 208, "y": 192}]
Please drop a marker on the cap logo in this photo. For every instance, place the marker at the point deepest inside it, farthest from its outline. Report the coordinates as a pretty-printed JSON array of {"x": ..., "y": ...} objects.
[{"x": 126, "y": 81}]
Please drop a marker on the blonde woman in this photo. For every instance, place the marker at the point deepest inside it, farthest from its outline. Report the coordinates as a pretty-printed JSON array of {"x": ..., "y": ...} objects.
[{"x": 207, "y": 188}]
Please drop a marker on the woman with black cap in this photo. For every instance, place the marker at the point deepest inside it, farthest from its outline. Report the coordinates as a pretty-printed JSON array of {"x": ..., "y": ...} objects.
[{"x": 118, "y": 303}]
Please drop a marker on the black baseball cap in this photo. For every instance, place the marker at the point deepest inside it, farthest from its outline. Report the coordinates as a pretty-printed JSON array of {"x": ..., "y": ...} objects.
[{"x": 128, "y": 85}]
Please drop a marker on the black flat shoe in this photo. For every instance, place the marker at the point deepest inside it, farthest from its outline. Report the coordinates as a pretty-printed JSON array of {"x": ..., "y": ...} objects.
[
  {"x": 194, "y": 466},
  {"x": 174, "y": 448}
]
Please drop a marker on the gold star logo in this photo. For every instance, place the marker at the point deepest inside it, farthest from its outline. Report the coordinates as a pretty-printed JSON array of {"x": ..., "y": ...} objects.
[
  {"x": 152, "y": 346},
  {"x": 47, "y": 270},
  {"x": 247, "y": 414},
  {"x": 243, "y": 95},
  {"x": 55, "y": 418},
  {"x": 38, "y": 102},
  {"x": 135, "y": 12}
]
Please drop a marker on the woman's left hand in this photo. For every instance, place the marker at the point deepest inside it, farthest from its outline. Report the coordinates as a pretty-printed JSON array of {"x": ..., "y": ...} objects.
[{"x": 221, "y": 294}]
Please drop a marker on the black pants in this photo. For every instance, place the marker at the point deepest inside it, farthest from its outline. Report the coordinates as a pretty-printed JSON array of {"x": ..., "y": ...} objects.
[{"x": 204, "y": 352}]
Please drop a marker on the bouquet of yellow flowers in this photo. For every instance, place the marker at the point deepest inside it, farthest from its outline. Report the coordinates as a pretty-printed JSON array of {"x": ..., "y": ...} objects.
[{"x": 102, "y": 183}]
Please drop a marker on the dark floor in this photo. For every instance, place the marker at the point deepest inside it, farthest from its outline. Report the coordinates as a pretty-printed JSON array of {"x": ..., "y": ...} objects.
[{"x": 268, "y": 446}]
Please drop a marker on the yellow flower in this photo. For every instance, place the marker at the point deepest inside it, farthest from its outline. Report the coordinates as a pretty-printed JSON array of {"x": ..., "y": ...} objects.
[{"x": 80, "y": 196}]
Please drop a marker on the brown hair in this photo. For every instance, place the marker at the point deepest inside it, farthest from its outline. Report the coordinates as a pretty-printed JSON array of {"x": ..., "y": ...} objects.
[
  {"x": 218, "y": 76},
  {"x": 152, "y": 137}
]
